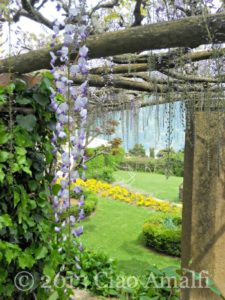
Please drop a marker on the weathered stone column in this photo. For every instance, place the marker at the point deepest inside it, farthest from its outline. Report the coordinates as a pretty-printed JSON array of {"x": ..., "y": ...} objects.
[{"x": 203, "y": 242}]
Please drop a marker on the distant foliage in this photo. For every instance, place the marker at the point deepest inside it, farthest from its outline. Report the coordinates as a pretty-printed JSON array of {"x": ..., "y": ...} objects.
[
  {"x": 152, "y": 152},
  {"x": 138, "y": 150},
  {"x": 170, "y": 164}
]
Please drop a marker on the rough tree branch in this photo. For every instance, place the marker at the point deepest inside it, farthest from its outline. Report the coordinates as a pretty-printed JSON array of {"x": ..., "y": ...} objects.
[
  {"x": 129, "y": 84},
  {"x": 187, "y": 32}
]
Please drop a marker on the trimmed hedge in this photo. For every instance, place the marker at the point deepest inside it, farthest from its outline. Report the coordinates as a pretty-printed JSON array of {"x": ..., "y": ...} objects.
[
  {"x": 89, "y": 206},
  {"x": 174, "y": 166},
  {"x": 163, "y": 233}
]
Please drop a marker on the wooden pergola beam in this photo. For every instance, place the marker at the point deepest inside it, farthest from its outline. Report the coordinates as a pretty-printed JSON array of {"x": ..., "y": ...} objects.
[{"x": 188, "y": 32}]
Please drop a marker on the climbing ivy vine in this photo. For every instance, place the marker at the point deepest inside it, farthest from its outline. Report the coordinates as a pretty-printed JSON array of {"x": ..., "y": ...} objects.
[{"x": 27, "y": 240}]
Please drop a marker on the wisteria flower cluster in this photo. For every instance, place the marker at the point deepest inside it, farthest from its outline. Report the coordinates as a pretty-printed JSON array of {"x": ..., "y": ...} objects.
[{"x": 72, "y": 109}]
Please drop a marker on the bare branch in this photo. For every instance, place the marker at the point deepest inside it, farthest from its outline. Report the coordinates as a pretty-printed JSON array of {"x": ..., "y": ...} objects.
[
  {"x": 131, "y": 84},
  {"x": 101, "y": 4},
  {"x": 32, "y": 13},
  {"x": 189, "y": 78},
  {"x": 137, "y": 13}
]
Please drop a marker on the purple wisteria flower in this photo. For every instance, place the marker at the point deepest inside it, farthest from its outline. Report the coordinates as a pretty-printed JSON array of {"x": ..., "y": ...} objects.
[
  {"x": 78, "y": 231},
  {"x": 73, "y": 108}
]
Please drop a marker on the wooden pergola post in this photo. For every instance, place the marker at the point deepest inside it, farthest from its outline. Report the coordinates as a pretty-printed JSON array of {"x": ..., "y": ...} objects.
[{"x": 203, "y": 241}]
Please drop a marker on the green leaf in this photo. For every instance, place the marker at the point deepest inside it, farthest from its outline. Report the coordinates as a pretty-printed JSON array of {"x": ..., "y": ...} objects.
[
  {"x": 26, "y": 122},
  {"x": 5, "y": 221},
  {"x": 26, "y": 261},
  {"x": 2, "y": 174},
  {"x": 55, "y": 189},
  {"x": 4, "y": 156},
  {"x": 20, "y": 85},
  {"x": 15, "y": 168},
  {"x": 23, "y": 101},
  {"x": 41, "y": 99},
  {"x": 45, "y": 84},
  {"x": 16, "y": 198},
  {"x": 27, "y": 170},
  {"x": 215, "y": 290},
  {"x": 4, "y": 137},
  {"x": 49, "y": 271},
  {"x": 10, "y": 255},
  {"x": 41, "y": 252},
  {"x": 54, "y": 296},
  {"x": 22, "y": 138},
  {"x": 10, "y": 88},
  {"x": 20, "y": 151},
  {"x": 2, "y": 99},
  {"x": 32, "y": 185}
]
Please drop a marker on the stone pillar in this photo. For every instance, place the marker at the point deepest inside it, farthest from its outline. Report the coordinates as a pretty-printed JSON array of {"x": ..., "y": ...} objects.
[{"x": 203, "y": 241}]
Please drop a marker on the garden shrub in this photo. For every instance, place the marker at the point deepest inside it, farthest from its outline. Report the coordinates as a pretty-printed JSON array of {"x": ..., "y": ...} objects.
[
  {"x": 163, "y": 233},
  {"x": 101, "y": 275},
  {"x": 103, "y": 166},
  {"x": 172, "y": 166}
]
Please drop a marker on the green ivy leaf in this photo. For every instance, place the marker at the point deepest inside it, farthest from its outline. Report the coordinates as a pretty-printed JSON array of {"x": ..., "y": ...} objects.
[
  {"x": 2, "y": 99},
  {"x": 32, "y": 185},
  {"x": 5, "y": 221},
  {"x": 54, "y": 296},
  {"x": 45, "y": 84},
  {"x": 15, "y": 168},
  {"x": 55, "y": 189},
  {"x": 26, "y": 261},
  {"x": 49, "y": 271},
  {"x": 23, "y": 101},
  {"x": 4, "y": 137},
  {"x": 27, "y": 122},
  {"x": 10, "y": 88},
  {"x": 16, "y": 198},
  {"x": 20, "y": 84},
  {"x": 41, "y": 252},
  {"x": 27, "y": 170},
  {"x": 10, "y": 255},
  {"x": 20, "y": 151},
  {"x": 22, "y": 138},
  {"x": 41, "y": 99},
  {"x": 2, "y": 174},
  {"x": 4, "y": 156}
]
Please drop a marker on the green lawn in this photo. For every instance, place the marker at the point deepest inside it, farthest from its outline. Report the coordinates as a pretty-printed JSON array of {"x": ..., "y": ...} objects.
[
  {"x": 154, "y": 184},
  {"x": 115, "y": 230}
]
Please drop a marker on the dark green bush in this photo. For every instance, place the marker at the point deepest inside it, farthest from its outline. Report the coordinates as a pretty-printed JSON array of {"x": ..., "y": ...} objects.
[
  {"x": 163, "y": 233},
  {"x": 138, "y": 150}
]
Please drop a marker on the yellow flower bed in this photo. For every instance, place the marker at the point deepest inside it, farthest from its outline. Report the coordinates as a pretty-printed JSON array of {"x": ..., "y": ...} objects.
[{"x": 119, "y": 193}]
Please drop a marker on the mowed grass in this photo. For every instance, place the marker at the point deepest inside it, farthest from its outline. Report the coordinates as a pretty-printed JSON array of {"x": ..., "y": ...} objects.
[
  {"x": 115, "y": 229},
  {"x": 153, "y": 184}
]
